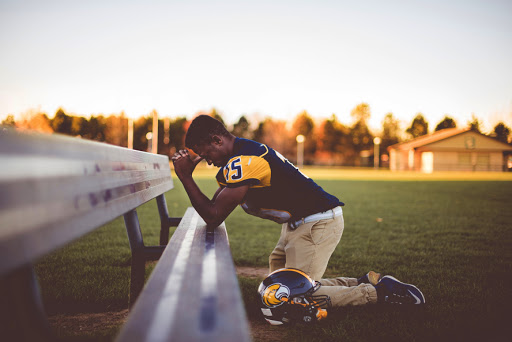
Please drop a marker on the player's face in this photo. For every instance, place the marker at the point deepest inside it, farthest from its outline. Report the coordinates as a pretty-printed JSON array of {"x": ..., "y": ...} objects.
[{"x": 212, "y": 153}]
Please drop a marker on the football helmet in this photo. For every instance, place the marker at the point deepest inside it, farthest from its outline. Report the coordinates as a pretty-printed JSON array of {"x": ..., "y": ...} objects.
[{"x": 287, "y": 297}]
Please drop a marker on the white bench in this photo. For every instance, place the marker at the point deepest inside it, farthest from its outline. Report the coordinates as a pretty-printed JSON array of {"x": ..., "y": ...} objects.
[
  {"x": 54, "y": 189},
  {"x": 196, "y": 287}
]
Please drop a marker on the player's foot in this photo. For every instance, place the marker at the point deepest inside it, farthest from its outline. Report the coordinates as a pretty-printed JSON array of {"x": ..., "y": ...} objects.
[
  {"x": 369, "y": 278},
  {"x": 393, "y": 291}
]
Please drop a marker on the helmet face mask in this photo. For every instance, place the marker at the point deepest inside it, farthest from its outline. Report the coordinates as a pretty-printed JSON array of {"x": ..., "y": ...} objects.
[{"x": 287, "y": 297}]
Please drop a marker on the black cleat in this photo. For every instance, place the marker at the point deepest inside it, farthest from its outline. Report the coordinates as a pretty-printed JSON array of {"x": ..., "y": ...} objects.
[{"x": 393, "y": 291}]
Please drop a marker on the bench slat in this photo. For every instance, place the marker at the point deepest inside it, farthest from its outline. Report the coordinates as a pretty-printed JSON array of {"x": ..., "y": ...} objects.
[
  {"x": 195, "y": 288},
  {"x": 54, "y": 189}
]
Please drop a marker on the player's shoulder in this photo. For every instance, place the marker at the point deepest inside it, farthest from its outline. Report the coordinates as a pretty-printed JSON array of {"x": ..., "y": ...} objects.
[{"x": 246, "y": 147}]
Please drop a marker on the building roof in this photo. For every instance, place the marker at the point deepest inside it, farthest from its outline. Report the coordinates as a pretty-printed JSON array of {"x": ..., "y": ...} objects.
[
  {"x": 428, "y": 138},
  {"x": 439, "y": 136}
]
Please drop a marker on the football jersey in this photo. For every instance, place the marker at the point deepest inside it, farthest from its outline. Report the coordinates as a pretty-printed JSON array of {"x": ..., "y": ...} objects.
[{"x": 277, "y": 189}]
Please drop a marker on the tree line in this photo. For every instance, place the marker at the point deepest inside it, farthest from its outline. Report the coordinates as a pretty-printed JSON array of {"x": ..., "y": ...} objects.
[{"x": 327, "y": 142}]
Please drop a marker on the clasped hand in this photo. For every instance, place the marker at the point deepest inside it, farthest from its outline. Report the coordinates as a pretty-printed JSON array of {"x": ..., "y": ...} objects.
[{"x": 183, "y": 164}]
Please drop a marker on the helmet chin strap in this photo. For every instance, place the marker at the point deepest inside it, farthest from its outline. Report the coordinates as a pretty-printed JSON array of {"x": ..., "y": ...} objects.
[
  {"x": 321, "y": 314},
  {"x": 312, "y": 311}
]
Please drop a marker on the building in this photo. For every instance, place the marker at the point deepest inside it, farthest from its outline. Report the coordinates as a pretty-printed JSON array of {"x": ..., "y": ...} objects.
[{"x": 451, "y": 149}]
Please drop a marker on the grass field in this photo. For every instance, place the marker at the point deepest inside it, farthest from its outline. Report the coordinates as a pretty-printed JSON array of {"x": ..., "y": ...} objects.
[{"x": 450, "y": 234}]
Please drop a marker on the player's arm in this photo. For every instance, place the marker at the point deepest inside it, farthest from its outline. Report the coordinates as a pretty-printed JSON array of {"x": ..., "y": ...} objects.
[
  {"x": 216, "y": 210},
  {"x": 213, "y": 211},
  {"x": 217, "y": 193}
]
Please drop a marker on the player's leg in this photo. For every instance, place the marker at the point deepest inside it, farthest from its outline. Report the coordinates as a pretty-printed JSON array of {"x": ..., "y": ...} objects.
[
  {"x": 354, "y": 295},
  {"x": 388, "y": 290},
  {"x": 310, "y": 246},
  {"x": 339, "y": 281},
  {"x": 277, "y": 258}
]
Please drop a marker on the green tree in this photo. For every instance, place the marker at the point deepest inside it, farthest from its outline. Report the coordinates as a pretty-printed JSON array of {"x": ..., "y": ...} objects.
[
  {"x": 177, "y": 130},
  {"x": 390, "y": 131},
  {"x": 216, "y": 115},
  {"x": 241, "y": 128},
  {"x": 259, "y": 133},
  {"x": 501, "y": 132},
  {"x": 274, "y": 134},
  {"x": 95, "y": 128},
  {"x": 62, "y": 123},
  {"x": 419, "y": 126},
  {"x": 141, "y": 127},
  {"x": 9, "y": 121},
  {"x": 361, "y": 112},
  {"x": 361, "y": 136},
  {"x": 330, "y": 135},
  {"x": 334, "y": 142},
  {"x": 447, "y": 122},
  {"x": 474, "y": 124},
  {"x": 362, "y": 139},
  {"x": 305, "y": 125},
  {"x": 116, "y": 131},
  {"x": 79, "y": 126}
]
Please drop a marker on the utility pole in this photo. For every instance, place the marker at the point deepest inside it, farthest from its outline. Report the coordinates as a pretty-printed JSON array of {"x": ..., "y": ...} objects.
[
  {"x": 130, "y": 133},
  {"x": 376, "y": 152},
  {"x": 154, "y": 147}
]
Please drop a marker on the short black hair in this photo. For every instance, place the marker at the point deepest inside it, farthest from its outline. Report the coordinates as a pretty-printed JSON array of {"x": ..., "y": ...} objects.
[{"x": 202, "y": 129}]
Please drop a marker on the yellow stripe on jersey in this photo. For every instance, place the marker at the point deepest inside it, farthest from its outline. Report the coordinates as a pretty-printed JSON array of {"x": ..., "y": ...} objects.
[
  {"x": 266, "y": 148},
  {"x": 244, "y": 168}
]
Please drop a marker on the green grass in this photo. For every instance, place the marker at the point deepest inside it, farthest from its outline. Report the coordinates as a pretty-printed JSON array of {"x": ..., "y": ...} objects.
[{"x": 449, "y": 234}]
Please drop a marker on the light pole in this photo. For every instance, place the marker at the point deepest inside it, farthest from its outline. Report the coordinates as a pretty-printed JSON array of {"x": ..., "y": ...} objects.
[
  {"x": 376, "y": 153},
  {"x": 300, "y": 150},
  {"x": 149, "y": 136},
  {"x": 154, "y": 136},
  {"x": 130, "y": 133}
]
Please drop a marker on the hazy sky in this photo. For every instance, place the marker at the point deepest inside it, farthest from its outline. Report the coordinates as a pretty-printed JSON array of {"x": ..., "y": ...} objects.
[{"x": 275, "y": 58}]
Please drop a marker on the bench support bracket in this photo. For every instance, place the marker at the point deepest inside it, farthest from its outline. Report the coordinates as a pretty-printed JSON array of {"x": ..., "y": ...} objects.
[{"x": 141, "y": 253}]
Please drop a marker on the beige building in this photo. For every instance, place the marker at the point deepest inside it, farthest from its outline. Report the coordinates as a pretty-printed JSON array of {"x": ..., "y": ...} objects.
[{"x": 451, "y": 149}]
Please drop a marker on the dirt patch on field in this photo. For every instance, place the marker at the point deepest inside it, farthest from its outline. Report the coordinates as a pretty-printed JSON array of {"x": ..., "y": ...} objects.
[
  {"x": 87, "y": 322},
  {"x": 77, "y": 324},
  {"x": 82, "y": 323},
  {"x": 261, "y": 331},
  {"x": 252, "y": 272}
]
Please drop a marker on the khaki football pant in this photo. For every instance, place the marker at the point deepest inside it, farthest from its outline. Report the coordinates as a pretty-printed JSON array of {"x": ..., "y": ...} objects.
[{"x": 309, "y": 248}]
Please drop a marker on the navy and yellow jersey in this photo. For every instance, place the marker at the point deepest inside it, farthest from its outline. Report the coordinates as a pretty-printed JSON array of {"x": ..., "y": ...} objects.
[{"x": 277, "y": 190}]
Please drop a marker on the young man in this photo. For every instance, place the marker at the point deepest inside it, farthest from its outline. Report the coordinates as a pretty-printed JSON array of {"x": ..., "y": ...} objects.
[{"x": 266, "y": 184}]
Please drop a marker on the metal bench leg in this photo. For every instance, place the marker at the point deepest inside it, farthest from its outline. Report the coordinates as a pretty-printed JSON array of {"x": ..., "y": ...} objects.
[
  {"x": 141, "y": 253},
  {"x": 165, "y": 220},
  {"x": 131, "y": 221},
  {"x": 21, "y": 308}
]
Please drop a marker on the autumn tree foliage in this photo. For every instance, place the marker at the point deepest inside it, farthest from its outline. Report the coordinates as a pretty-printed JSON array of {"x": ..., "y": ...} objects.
[
  {"x": 333, "y": 143},
  {"x": 34, "y": 120},
  {"x": 327, "y": 141},
  {"x": 276, "y": 134},
  {"x": 419, "y": 126},
  {"x": 304, "y": 125},
  {"x": 501, "y": 132},
  {"x": 242, "y": 128},
  {"x": 447, "y": 122},
  {"x": 390, "y": 131}
]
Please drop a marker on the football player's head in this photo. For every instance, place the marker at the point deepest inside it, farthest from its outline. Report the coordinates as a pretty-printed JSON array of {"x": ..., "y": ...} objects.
[{"x": 210, "y": 139}]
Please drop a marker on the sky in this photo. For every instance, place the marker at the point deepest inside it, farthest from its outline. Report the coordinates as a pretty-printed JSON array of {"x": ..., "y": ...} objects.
[{"x": 259, "y": 58}]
